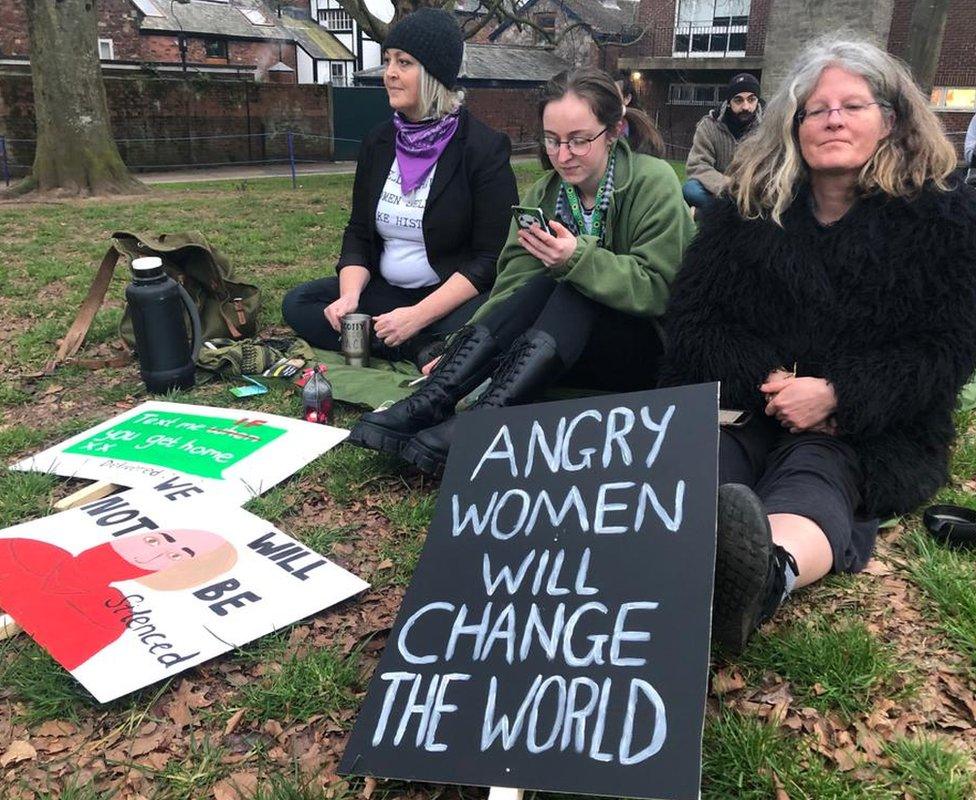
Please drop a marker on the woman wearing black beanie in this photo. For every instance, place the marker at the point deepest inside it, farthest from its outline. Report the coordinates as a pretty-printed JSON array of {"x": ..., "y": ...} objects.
[{"x": 430, "y": 208}]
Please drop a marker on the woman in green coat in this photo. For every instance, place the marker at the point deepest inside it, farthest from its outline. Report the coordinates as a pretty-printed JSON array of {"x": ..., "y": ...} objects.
[{"x": 577, "y": 304}]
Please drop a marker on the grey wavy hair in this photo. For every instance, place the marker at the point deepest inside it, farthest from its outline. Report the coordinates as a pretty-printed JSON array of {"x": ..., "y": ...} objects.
[{"x": 768, "y": 165}]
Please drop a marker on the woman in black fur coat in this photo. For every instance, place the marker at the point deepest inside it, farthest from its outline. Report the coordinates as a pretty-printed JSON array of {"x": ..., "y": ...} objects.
[{"x": 832, "y": 293}]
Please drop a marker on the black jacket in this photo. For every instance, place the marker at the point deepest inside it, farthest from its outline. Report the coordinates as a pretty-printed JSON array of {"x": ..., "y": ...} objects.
[
  {"x": 468, "y": 209},
  {"x": 880, "y": 303}
]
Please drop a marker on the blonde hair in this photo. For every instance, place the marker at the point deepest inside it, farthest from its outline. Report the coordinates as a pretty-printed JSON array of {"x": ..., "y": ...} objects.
[
  {"x": 435, "y": 98},
  {"x": 194, "y": 571},
  {"x": 768, "y": 165}
]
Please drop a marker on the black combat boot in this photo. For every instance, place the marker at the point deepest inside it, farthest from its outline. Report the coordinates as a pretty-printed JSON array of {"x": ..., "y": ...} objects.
[
  {"x": 466, "y": 363},
  {"x": 528, "y": 367},
  {"x": 751, "y": 579}
]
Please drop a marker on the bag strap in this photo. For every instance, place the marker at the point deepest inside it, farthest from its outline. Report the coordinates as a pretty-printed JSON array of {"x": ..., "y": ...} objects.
[
  {"x": 235, "y": 332},
  {"x": 79, "y": 328}
]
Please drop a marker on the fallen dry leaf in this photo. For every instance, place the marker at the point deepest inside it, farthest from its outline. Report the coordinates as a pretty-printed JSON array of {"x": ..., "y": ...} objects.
[
  {"x": 236, "y": 786},
  {"x": 876, "y": 567},
  {"x": 56, "y": 728},
  {"x": 18, "y": 751},
  {"x": 725, "y": 681},
  {"x": 146, "y": 744},
  {"x": 233, "y": 722}
]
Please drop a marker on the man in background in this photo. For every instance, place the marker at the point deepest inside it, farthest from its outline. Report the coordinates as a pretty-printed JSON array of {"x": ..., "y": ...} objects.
[
  {"x": 969, "y": 150},
  {"x": 717, "y": 136}
]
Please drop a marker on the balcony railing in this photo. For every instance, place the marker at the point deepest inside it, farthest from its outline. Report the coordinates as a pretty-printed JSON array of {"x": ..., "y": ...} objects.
[
  {"x": 709, "y": 41},
  {"x": 745, "y": 39}
]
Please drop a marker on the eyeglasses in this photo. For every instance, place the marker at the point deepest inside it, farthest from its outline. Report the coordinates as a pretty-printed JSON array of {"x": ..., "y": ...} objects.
[
  {"x": 578, "y": 145},
  {"x": 846, "y": 111}
]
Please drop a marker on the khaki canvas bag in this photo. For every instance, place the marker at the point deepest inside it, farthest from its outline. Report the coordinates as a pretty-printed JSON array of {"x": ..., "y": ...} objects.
[{"x": 228, "y": 308}]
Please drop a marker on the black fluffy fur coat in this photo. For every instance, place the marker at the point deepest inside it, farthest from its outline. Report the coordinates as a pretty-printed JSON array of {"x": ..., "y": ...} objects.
[{"x": 881, "y": 303}]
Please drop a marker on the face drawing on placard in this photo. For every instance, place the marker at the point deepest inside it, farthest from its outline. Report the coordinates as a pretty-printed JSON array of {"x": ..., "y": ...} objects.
[
  {"x": 70, "y": 603},
  {"x": 176, "y": 559}
]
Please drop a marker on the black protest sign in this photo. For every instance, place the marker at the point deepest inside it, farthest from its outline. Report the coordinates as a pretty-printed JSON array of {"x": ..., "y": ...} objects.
[{"x": 555, "y": 635}]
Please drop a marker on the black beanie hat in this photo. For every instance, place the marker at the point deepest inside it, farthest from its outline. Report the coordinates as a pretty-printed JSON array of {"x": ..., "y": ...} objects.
[
  {"x": 743, "y": 82},
  {"x": 433, "y": 37}
]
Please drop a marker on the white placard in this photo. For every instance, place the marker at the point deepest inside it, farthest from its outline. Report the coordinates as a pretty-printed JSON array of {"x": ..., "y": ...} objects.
[
  {"x": 132, "y": 588},
  {"x": 184, "y": 450}
]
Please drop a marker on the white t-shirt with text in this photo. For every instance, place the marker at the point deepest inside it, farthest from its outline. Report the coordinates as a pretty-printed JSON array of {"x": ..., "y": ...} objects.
[{"x": 399, "y": 220}]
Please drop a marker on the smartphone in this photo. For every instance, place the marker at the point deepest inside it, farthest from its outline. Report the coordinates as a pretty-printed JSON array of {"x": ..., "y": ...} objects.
[{"x": 526, "y": 217}]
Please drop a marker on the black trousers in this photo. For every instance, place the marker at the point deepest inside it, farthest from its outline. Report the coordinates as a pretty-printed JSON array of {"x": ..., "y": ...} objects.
[
  {"x": 601, "y": 348},
  {"x": 812, "y": 475},
  {"x": 304, "y": 309}
]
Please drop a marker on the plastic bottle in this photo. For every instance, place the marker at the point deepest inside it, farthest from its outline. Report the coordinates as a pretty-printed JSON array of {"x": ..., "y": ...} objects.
[{"x": 317, "y": 397}]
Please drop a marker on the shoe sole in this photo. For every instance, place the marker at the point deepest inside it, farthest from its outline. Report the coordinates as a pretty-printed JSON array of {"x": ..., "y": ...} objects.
[
  {"x": 741, "y": 564},
  {"x": 373, "y": 437},
  {"x": 423, "y": 458}
]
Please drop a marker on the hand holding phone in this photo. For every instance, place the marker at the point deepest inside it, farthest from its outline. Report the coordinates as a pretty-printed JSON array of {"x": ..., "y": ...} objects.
[{"x": 526, "y": 217}]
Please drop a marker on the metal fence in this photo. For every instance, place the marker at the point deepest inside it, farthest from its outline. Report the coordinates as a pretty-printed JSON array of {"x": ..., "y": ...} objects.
[
  {"x": 140, "y": 154},
  {"x": 288, "y": 149}
]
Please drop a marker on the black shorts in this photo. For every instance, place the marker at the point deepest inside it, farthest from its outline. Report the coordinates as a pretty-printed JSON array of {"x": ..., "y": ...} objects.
[{"x": 812, "y": 475}]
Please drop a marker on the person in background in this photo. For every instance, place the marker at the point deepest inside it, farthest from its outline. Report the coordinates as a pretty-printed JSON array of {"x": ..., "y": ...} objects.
[
  {"x": 717, "y": 136},
  {"x": 627, "y": 91},
  {"x": 969, "y": 148},
  {"x": 430, "y": 206},
  {"x": 577, "y": 304},
  {"x": 969, "y": 152},
  {"x": 831, "y": 292}
]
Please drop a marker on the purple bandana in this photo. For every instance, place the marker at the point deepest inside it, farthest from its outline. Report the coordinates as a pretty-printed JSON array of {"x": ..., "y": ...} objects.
[{"x": 419, "y": 145}]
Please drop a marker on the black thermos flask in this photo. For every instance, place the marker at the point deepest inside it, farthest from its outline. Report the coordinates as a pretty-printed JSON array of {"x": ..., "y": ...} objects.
[{"x": 157, "y": 302}]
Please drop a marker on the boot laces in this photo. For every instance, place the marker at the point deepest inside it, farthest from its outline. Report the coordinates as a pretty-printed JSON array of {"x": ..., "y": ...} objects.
[
  {"x": 433, "y": 389},
  {"x": 779, "y": 559},
  {"x": 461, "y": 345},
  {"x": 511, "y": 365}
]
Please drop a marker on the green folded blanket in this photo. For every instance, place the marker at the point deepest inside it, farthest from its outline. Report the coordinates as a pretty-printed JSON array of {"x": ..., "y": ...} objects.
[{"x": 382, "y": 382}]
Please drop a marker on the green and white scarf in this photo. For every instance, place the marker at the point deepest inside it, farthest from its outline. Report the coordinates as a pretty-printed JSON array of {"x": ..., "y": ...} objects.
[{"x": 569, "y": 209}]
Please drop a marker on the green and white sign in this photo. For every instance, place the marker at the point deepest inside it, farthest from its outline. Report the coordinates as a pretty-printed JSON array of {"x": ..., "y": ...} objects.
[
  {"x": 196, "y": 444},
  {"x": 237, "y": 454}
]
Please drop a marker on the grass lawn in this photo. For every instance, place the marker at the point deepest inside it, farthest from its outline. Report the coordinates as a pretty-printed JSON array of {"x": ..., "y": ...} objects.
[{"x": 864, "y": 687}]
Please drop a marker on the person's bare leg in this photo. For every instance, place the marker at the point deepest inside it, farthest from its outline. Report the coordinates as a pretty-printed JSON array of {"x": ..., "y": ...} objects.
[{"x": 802, "y": 538}]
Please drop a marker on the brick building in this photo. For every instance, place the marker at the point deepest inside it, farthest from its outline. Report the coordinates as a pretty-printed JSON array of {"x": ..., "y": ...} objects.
[
  {"x": 240, "y": 39},
  {"x": 691, "y": 48},
  {"x": 585, "y": 31},
  {"x": 500, "y": 83},
  {"x": 333, "y": 17}
]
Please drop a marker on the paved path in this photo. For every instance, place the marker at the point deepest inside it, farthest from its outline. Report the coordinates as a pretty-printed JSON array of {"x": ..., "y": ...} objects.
[{"x": 232, "y": 173}]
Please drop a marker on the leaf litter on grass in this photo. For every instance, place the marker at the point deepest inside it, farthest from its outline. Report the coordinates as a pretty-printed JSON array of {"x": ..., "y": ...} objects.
[{"x": 204, "y": 730}]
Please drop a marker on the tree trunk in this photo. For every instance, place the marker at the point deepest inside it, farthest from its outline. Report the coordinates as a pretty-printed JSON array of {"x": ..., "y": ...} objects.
[
  {"x": 75, "y": 154},
  {"x": 925, "y": 34}
]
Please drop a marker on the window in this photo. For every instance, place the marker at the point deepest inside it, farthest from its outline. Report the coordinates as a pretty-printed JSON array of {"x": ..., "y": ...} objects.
[
  {"x": 954, "y": 98},
  {"x": 215, "y": 48},
  {"x": 106, "y": 50},
  {"x": 695, "y": 94},
  {"x": 148, "y": 7},
  {"x": 547, "y": 22},
  {"x": 335, "y": 20},
  {"x": 338, "y": 71},
  {"x": 709, "y": 28},
  {"x": 255, "y": 17}
]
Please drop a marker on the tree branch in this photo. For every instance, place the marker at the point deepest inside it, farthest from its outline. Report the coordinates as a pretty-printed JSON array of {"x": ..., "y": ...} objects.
[
  {"x": 489, "y": 14},
  {"x": 375, "y": 27}
]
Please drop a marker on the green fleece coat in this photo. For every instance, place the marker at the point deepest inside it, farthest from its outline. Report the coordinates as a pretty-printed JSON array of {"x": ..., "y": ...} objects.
[{"x": 648, "y": 227}]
